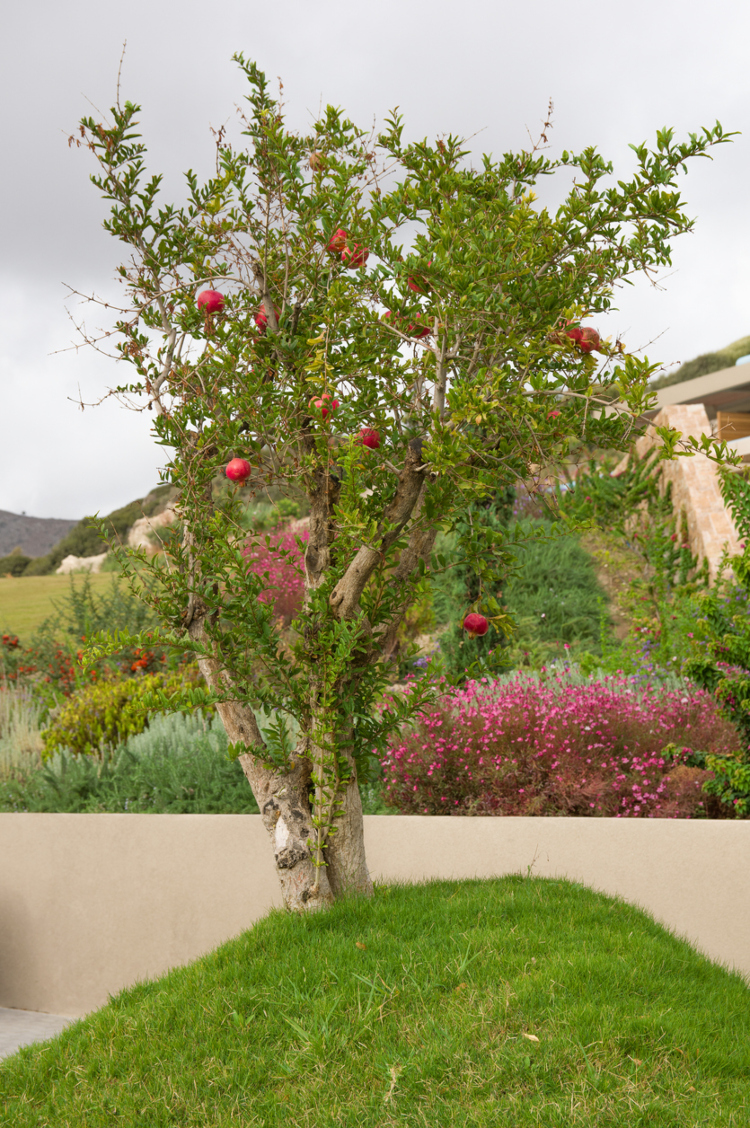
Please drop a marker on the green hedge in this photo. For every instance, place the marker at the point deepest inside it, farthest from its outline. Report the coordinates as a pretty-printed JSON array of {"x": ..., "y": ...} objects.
[
  {"x": 108, "y": 712},
  {"x": 179, "y": 765}
]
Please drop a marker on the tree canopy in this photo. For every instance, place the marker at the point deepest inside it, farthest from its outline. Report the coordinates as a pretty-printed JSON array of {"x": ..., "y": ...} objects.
[{"x": 394, "y": 327}]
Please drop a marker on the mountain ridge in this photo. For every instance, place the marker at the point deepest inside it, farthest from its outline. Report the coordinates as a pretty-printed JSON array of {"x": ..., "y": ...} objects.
[
  {"x": 59, "y": 538},
  {"x": 33, "y": 536}
]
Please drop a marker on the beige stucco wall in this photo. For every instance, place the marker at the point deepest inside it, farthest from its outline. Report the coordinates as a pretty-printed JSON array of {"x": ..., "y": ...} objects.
[
  {"x": 92, "y": 903},
  {"x": 695, "y": 485}
]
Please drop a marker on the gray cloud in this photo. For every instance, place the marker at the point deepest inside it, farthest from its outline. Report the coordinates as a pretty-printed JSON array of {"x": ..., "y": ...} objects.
[{"x": 615, "y": 71}]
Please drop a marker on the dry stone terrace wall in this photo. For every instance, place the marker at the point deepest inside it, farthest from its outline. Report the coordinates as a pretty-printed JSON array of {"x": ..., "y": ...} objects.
[
  {"x": 81, "y": 564},
  {"x": 145, "y": 527},
  {"x": 695, "y": 486}
]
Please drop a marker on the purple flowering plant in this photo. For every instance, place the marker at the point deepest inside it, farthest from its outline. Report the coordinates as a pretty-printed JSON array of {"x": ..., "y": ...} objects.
[
  {"x": 548, "y": 746},
  {"x": 279, "y": 558}
]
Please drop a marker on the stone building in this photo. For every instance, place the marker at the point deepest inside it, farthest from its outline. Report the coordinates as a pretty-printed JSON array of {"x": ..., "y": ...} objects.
[{"x": 719, "y": 405}]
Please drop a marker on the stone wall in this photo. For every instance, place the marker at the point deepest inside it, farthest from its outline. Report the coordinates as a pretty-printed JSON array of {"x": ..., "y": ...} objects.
[
  {"x": 81, "y": 564},
  {"x": 140, "y": 535},
  {"x": 695, "y": 485}
]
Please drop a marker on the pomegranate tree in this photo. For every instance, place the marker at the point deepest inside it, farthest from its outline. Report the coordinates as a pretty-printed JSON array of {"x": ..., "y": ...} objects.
[{"x": 465, "y": 414}]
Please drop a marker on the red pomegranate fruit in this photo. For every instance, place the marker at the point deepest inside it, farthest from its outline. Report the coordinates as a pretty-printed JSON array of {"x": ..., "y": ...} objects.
[
  {"x": 418, "y": 284},
  {"x": 238, "y": 470},
  {"x": 590, "y": 339},
  {"x": 415, "y": 330},
  {"x": 261, "y": 318},
  {"x": 354, "y": 257},
  {"x": 324, "y": 404},
  {"x": 419, "y": 329},
  {"x": 586, "y": 337},
  {"x": 337, "y": 243},
  {"x": 369, "y": 437},
  {"x": 475, "y": 624},
  {"x": 210, "y": 301}
]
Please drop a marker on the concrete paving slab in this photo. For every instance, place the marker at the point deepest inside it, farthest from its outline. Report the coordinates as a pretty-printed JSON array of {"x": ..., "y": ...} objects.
[{"x": 20, "y": 1028}]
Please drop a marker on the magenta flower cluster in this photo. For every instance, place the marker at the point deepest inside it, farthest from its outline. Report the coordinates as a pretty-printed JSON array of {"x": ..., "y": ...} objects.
[
  {"x": 549, "y": 746},
  {"x": 277, "y": 557}
]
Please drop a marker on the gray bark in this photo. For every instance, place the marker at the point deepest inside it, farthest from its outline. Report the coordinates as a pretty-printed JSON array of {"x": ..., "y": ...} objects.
[
  {"x": 347, "y": 864},
  {"x": 346, "y": 595},
  {"x": 284, "y": 804}
]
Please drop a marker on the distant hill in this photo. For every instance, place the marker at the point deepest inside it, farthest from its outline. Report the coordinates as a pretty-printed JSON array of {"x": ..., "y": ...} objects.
[
  {"x": 702, "y": 365},
  {"x": 35, "y": 536},
  {"x": 69, "y": 538}
]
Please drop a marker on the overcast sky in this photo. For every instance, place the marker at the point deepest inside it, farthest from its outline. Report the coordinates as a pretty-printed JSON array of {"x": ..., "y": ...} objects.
[{"x": 616, "y": 72}]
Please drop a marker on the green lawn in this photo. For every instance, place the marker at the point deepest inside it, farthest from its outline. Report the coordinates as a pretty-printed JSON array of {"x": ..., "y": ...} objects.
[
  {"x": 511, "y": 1002},
  {"x": 27, "y": 600}
]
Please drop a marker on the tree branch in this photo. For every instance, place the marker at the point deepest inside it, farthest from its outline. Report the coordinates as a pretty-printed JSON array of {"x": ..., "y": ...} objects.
[
  {"x": 421, "y": 542},
  {"x": 348, "y": 591}
]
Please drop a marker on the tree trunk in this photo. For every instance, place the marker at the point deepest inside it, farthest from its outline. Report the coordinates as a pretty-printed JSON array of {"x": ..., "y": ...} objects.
[
  {"x": 345, "y": 853},
  {"x": 283, "y": 800}
]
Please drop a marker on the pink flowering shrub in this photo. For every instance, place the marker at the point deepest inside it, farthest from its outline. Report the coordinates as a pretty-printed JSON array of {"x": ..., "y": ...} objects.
[
  {"x": 281, "y": 561},
  {"x": 531, "y": 747}
]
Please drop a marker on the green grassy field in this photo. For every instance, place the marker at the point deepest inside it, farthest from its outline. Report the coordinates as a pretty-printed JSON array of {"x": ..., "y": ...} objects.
[
  {"x": 26, "y": 601},
  {"x": 510, "y": 1002}
]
